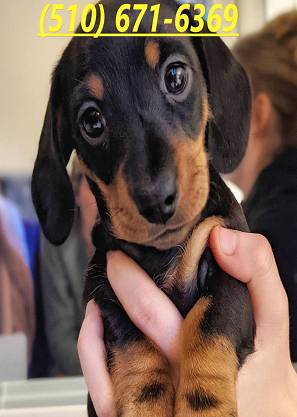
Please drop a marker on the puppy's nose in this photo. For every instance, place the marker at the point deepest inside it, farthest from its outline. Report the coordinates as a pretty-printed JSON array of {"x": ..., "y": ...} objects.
[{"x": 158, "y": 203}]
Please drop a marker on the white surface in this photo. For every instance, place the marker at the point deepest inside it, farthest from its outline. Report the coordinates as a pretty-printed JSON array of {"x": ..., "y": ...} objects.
[
  {"x": 238, "y": 194},
  {"x": 251, "y": 15},
  {"x": 38, "y": 393},
  {"x": 13, "y": 357},
  {"x": 26, "y": 64},
  {"x": 71, "y": 411},
  {"x": 275, "y": 7}
]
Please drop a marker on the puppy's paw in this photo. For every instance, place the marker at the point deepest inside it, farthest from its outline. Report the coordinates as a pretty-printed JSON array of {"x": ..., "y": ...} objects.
[
  {"x": 208, "y": 371},
  {"x": 142, "y": 382}
]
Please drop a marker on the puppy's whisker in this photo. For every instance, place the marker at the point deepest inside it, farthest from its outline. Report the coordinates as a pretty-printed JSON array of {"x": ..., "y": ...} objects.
[{"x": 95, "y": 290}]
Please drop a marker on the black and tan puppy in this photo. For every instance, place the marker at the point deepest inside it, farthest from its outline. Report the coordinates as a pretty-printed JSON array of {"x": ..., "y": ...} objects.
[{"x": 153, "y": 120}]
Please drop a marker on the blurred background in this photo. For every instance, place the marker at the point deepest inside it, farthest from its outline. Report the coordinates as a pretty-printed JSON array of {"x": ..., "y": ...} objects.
[{"x": 36, "y": 281}]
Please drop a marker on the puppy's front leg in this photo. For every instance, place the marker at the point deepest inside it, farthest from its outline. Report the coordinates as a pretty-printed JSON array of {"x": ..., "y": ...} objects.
[
  {"x": 217, "y": 335},
  {"x": 142, "y": 381}
]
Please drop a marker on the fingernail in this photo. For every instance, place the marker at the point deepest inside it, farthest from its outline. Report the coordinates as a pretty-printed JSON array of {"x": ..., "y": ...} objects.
[{"x": 228, "y": 241}]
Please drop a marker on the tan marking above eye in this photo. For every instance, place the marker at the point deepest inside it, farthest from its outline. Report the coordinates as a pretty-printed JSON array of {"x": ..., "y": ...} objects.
[
  {"x": 95, "y": 84},
  {"x": 191, "y": 161},
  {"x": 152, "y": 53}
]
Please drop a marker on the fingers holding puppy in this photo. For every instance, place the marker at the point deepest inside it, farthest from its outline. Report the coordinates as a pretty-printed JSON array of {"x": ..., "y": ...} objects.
[
  {"x": 92, "y": 355},
  {"x": 249, "y": 258},
  {"x": 146, "y": 305},
  {"x": 246, "y": 257}
]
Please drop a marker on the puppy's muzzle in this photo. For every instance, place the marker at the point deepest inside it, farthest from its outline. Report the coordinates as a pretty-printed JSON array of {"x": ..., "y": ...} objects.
[{"x": 156, "y": 199}]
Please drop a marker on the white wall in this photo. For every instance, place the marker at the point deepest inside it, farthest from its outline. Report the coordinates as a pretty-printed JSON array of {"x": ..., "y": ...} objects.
[
  {"x": 26, "y": 63},
  {"x": 251, "y": 15},
  {"x": 275, "y": 7}
]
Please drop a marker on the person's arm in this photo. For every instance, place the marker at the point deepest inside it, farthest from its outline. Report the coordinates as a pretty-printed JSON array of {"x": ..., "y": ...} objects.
[
  {"x": 60, "y": 312},
  {"x": 267, "y": 384}
]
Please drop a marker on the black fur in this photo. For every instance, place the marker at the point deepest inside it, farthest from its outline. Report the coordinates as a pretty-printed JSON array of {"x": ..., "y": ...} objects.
[
  {"x": 200, "y": 401},
  {"x": 151, "y": 392},
  {"x": 140, "y": 125}
]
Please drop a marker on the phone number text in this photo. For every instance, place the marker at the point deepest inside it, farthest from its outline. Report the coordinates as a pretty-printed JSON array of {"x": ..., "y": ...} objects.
[{"x": 59, "y": 20}]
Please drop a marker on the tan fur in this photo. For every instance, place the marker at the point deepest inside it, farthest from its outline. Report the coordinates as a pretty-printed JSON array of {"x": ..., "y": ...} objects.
[
  {"x": 192, "y": 174},
  {"x": 192, "y": 170},
  {"x": 185, "y": 270},
  {"x": 196, "y": 246},
  {"x": 192, "y": 177},
  {"x": 133, "y": 368},
  {"x": 152, "y": 54},
  {"x": 209, "y": 364},
  {"x": 95, "y": 84}
]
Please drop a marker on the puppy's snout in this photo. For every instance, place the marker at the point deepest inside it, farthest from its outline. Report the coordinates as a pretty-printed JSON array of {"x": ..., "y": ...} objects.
[{"x": 157, "y": 201}]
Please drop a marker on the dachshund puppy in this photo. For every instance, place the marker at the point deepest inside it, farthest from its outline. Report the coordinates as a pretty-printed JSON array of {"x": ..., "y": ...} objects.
[{"x": 153, "y": 120}]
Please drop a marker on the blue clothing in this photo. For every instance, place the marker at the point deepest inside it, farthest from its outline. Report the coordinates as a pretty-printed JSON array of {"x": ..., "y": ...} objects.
[{"x": 13, "y": 227}]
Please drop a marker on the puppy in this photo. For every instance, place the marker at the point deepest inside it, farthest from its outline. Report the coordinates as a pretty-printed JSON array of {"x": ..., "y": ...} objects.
[{"x": 153, "y": 120}]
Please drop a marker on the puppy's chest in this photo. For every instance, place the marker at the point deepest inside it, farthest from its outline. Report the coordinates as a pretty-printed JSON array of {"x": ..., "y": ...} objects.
[
  {"x": 183, "y": 275},
  {"x": 187, "y": 275}
]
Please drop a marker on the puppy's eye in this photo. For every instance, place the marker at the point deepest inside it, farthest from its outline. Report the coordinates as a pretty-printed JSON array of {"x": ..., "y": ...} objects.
[
  {"x": 92, "y": 124},
  {"x": 176, "y": 78}
]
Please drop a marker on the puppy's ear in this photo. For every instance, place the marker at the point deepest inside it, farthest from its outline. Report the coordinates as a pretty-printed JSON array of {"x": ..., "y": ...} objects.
[
  {"x": 230, "y": 102},
  {"x": 51, "y": 188}
]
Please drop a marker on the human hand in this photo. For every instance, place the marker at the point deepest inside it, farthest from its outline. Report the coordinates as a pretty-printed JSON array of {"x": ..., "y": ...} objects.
[{"x": 267, "y": 383}]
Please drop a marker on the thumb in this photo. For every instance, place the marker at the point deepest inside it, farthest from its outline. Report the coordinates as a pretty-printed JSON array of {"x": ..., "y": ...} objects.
[{"x": 249, "y": 258}]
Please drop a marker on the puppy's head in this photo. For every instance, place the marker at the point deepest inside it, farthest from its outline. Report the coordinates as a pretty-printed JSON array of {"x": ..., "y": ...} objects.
[{"x": 145, "y": 116}]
